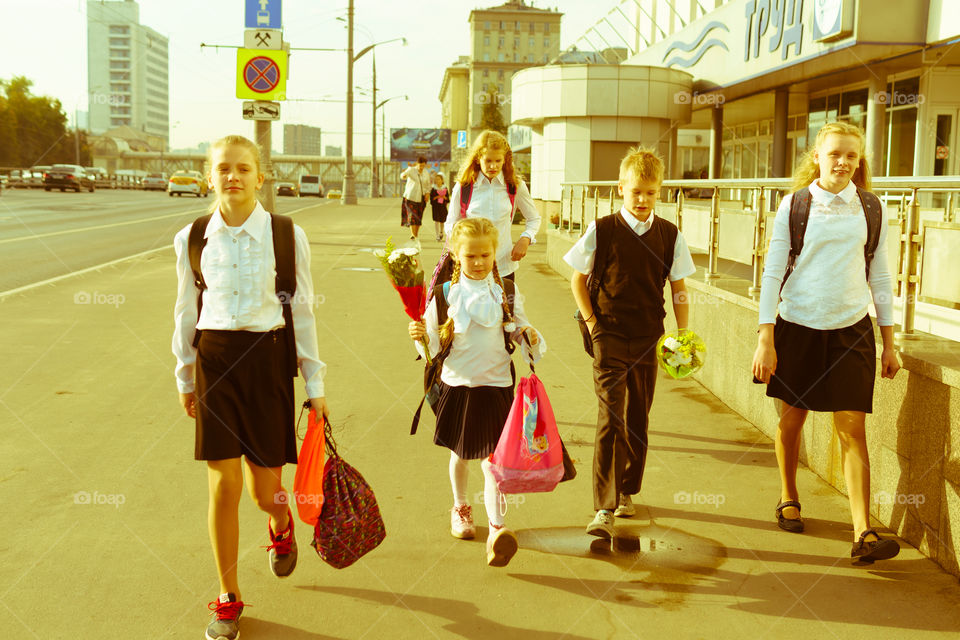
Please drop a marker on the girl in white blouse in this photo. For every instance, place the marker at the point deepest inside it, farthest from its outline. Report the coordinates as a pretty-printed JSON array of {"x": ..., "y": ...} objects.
[
  {"x": 496, "y": 191},
  {"x": 820, "y": 353},
  {"x": 237, "y": 382},
  {"x": 475, "y": 381}
]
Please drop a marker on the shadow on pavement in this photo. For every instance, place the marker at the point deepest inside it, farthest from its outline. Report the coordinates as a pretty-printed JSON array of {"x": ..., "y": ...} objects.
[{"x": 253, "y": 627}]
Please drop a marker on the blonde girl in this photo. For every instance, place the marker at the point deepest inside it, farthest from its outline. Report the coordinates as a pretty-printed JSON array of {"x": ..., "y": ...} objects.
[
  {"x": 237, "y": 383},
  {"x": 476, "y": 386},
  {"x": 490, "y": 188},
  {"x": 816, "y": 349}
]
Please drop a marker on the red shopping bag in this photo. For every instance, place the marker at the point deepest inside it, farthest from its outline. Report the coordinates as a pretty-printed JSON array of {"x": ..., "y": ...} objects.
[
  {"x": 529, "y": 454},
  {"x": 308, "y": 482}
]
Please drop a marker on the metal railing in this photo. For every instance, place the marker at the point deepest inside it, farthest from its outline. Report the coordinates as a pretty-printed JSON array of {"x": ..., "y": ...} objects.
[{"x": 582, "y": 202}]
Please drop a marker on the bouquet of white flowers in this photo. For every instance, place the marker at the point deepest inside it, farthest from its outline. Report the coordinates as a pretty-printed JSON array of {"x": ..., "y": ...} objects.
[
  {"x": 681, "y": 353},
  {"x": 405, "y": 271}
]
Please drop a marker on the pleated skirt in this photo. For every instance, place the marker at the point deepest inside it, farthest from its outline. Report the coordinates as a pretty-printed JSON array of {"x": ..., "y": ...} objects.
[{"x": 470, "y": 419}]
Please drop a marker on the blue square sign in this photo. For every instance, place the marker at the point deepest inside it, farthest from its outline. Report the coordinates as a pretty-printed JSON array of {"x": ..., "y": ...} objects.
[
  {"x": 461, "y": 139},
  {"x": 262, "y": 14}
]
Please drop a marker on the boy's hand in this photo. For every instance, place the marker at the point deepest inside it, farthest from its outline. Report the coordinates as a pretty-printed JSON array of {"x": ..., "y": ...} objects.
[
  {"x": 189, "y": 403},
  {"x": 417, "y": 330},
  {"x": 520, "y": 249}
]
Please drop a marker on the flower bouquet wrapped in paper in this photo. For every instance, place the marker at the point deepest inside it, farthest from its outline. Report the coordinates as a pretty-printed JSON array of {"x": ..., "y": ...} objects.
[
  {"x": 680, "y": 353},
  {"x": 405, "y": 271}
]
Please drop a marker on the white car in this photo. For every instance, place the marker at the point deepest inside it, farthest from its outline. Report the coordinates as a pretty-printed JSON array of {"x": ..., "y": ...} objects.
[{"x": 191, "y": 182}]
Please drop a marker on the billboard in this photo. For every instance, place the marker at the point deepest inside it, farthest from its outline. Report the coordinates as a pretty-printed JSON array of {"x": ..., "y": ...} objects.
[{"x": 406, "y": 144}]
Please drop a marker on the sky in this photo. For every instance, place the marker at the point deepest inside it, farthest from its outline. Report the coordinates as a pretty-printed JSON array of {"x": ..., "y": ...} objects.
[{"x": 45, "y": 40}]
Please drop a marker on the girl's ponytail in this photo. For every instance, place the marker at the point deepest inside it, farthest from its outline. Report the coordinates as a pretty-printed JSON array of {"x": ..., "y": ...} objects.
[
  {"x": 446, "y": 331},
  {"x": 507, "y": 316}
]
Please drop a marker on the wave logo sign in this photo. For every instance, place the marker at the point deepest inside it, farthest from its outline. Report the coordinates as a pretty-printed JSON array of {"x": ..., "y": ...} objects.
[{"x": 699, "y": 46}]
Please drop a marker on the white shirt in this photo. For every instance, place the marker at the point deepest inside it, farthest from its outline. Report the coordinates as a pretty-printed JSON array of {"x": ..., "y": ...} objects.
[
  {"x": 418, "y": 183},
  {"x": 491, "y": 200},
  {"x": 582, "y": 254},
  {"x": 478, "y": 357},
  {"x": 239, "y": 268},
  {"x": 828, "y": 288}
]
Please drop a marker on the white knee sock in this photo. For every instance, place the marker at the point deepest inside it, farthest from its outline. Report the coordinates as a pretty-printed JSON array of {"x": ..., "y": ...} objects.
[
  {"x": 458, "y": 479},
  {"x": 491, "y": 495}
]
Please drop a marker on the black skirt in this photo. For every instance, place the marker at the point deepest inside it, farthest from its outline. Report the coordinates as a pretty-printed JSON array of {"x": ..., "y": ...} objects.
[
  {"x": 470, "y": 419},
  {"x": 825, "y": 370},
  {"x": 245, "y": 398},
  {"x": 439, "y": 211},
  {"x": 411, "y": 213}
]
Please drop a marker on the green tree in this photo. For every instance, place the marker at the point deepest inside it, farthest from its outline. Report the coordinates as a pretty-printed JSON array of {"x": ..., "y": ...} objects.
[
  {"x": 491, "y": 117},
  {"x": 33, "y": 129}
]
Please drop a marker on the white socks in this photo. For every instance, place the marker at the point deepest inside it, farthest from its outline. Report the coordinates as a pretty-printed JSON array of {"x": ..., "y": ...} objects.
[
  {"x": 491, "y": 495},
  {"x": 458, "y": 479}
]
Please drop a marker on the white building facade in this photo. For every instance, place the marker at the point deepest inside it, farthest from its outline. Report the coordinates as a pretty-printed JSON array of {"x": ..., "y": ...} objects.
[{"x": 127, "y": 70}]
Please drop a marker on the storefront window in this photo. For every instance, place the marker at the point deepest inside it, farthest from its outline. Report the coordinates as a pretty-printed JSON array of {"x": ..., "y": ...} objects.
[
  {"x": 853, "y": 108},
  {"x": 944, "y": 125},
  {"x": 903, "y": 137}
]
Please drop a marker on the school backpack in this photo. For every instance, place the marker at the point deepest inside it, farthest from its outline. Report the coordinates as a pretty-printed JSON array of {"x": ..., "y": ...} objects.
[
  {"x": 431, "y": 373},
  {"x": 444, "y": 269},
  {"x": 286, "y": 281},
  {"x": 800, "y": 213}
]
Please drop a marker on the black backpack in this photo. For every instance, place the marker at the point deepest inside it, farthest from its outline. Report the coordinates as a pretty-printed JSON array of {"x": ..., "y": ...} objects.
[
  {"x": 800, "y": 213},
  {"x": 286, "y": 282}
]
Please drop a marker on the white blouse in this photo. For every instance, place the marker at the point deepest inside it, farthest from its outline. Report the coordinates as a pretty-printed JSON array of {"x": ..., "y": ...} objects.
[
  {"x": 828, "y": 288},
  {"x": 239, "y": 268},
  {"x": 491, "y": 200},
  {"x": 478, "y": 357},
  {"x": 418, "y": 183}
]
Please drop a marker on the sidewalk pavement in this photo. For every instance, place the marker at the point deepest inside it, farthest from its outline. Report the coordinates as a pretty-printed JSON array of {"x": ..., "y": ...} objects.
[{"x": 107, "y": 533}]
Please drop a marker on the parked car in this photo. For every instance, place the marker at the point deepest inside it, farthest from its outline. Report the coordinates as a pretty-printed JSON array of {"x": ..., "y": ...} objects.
[
  {"x": 286, "y": 189},
  {"x": 310, "y": 186},
  {"x": 334, "y": 194},
  {"x": 154, "y": 182},
  {"x": 19, "y": 178},
  {"x": 101, "y": 179},
  {"x": 67, "y": 176},
  {"x": 36, "y": 180},
  {"x": 183, "y": 182}
]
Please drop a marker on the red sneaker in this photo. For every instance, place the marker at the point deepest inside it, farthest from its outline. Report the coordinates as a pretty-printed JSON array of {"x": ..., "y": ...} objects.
[
  {"x": 283, "y": 549},
  {"x": 226, "y": 622}
]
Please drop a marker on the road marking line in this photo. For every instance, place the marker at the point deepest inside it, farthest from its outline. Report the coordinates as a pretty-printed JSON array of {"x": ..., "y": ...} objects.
[
  {"x": 27, "y": 287},
  {"x": 98, "y": 227}
]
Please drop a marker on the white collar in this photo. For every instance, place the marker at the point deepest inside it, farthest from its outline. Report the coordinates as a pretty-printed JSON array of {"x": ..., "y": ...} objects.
[
  {"x": 255, "y": 225},
  {"x": 496, "y": 179},
  {"x": 635, "y": 222},
  {"x": 475, "y": 301},
  {"x": 848, "y": 193}
]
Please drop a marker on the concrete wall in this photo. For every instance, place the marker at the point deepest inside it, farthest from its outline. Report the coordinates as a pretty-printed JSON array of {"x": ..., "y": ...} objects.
[{"x": 913, "y": 433}]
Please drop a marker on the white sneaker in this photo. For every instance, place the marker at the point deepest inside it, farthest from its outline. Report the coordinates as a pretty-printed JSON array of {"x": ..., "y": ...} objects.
[
  {"x": 601, "y": 525},
  {"x": 461, "y": 522},
  {"x": 625, "y": 508},
  {"x": 502, "y": 544}
]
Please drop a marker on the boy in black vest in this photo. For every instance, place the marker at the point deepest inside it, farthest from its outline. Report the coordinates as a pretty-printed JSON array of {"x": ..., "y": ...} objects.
[{"x": 621, "y": 265}]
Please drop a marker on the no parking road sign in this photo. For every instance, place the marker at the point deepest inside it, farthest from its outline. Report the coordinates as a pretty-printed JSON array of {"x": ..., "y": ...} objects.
[{"x": 261, "y": 74}]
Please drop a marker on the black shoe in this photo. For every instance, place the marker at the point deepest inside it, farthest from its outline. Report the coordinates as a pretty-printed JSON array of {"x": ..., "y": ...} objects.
[
  {"x": 866, "y": 551},
  {"x": 793, "y": 525}
]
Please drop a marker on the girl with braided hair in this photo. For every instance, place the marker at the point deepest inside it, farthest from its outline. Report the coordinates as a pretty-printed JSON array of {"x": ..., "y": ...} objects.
[{"x": 471, "y": 321}]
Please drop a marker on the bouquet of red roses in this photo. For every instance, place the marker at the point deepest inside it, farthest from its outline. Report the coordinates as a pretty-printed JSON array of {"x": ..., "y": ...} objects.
[{"x": 405, "y": 271}]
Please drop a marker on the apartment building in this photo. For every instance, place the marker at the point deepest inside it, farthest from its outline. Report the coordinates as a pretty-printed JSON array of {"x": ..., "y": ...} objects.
[
  {"x": 127, "y": 70},
  {"x": 301, "y": 140}
]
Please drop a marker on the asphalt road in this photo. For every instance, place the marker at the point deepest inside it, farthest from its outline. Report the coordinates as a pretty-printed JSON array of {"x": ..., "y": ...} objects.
[{"x": 44, "y": 235}]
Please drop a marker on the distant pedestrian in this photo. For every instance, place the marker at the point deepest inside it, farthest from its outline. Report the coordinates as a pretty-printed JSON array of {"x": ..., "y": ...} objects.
[
  {"x": 627, "y": 258},
  {"x": 439, "y": 199},
  {"x": 490, "y": 188},
  {"x": 816, "y": 350},
  {"x": 473, "y": 324},
  {"x": 415, "y": 195},
  {"x": 236, "y": 376}
]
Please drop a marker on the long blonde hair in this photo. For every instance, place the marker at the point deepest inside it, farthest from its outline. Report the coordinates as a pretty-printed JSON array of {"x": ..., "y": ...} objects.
[
  {"x": 489, "y": 141},
  {"x": 469, "y": 228},
  {"x": 808, "y": 169},
  {"x": 229, "y": 141}
]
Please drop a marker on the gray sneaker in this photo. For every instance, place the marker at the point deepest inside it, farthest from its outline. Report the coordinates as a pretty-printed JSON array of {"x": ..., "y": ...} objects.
[
  {"x": 625, "y": 508},
  {"x": 226, "y": 622},
  {"x": 601, "y": 525},
  {"x": 283, "y": 550}
]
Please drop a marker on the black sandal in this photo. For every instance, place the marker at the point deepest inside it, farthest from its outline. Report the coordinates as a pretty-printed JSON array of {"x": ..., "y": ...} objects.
[
  {"x": 866, "y": 551},
  {"x": 793, "y": 525}
]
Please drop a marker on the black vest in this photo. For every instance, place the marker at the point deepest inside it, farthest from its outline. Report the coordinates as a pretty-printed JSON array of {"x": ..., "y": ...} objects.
[{"x": 630, "y": 300}]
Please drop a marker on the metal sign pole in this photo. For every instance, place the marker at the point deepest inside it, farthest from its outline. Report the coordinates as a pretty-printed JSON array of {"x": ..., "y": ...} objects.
[
  {"x": 349, "y": 194},
  {"x": 267, "y": 191}
]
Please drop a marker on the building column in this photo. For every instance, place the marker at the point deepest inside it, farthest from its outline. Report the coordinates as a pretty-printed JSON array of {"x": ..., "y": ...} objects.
[
  {"x": 876, "y": 119},
  {"x": 781, "y": 107},
  {"x": 676, "y": 168},
  {"x": 716, "y": 141}
]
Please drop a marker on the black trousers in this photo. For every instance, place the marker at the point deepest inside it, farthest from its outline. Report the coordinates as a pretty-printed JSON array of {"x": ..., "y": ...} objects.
[{"x": 625, "y": 376}]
